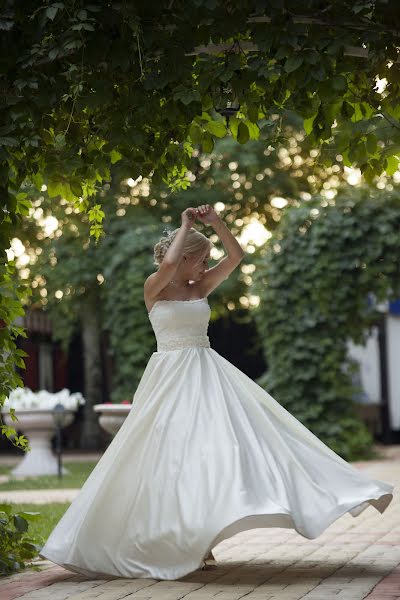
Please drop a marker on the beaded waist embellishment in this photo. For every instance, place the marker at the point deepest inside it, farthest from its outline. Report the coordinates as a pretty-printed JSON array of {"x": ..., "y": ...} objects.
[{"x": 184, "y": 342}]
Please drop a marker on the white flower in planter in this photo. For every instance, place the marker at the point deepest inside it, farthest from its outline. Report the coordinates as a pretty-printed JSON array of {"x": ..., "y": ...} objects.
[
  {"x": 34, "y": 411},
  {"x": 25, "y": 398}
]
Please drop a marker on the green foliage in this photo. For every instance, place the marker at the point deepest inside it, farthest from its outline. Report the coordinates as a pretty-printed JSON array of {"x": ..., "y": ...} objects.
[
  {"x": 48, "y": 516},
  {"x": 247, "y": 178},
  {"x": 11, "y": 356},
  {"x": 16, "y": 546},
  {"x": 130, "y": 252},
  {"x": 314, "y": 279},
  {"x": 91, "y": 85}
]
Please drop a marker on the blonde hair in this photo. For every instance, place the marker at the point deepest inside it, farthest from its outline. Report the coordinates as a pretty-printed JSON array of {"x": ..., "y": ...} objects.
[{"x": 196, "y": 244}]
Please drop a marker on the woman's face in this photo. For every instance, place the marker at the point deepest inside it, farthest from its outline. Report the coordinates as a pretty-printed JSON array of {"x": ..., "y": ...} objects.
[{"x": 194, "y": 268}]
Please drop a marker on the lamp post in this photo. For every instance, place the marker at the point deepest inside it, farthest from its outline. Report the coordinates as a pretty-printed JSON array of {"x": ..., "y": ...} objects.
[{"x": 58, "y": 415}]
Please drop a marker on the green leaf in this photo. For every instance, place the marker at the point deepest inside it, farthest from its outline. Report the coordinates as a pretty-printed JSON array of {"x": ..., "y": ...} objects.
[
  {"x": 346, "y": 160},
  {"x": 369, "y": 175},
  {"x": 359, "y": 152},
  {"x": 217, "y": 128},
  {"x": 342, "y": 140},
  {"x": 187, "y": 95},
  {"x": 205, "y": 116},
  {"x": 37, "y": 179},
  {"x": 392, "y": 165},
  {"x": 195, "y": 133},
  {"x": 226, "y": 75},
  {"x": 51, "y": 12},
  {"x": 243, "y": 133},
  {"x": 292, "y": 63},
  {"x": 115, "y": 156},
  {"x": 325, "y": 90},
  {"x": 339, "y": 83},
  {"x": 8, "y": 141},
  {"x": 58, "y": 188},
  {"x": 30, "y": 516},
  {"x": 308, "y": 124},
  {"x": 372, "y": 143},
  {"x": 254, "y": 130},
  {"x": 347, "y": 109},
  {"x": 59, "y": 141},
  {"x": 53, "y": 53},
  {"x": 234, "y": 126},
  {"x": 331, "y": 110},
  {"x": 23, "y": 206},
  {"x": 252, "y": 112},
  {"x": 207, "y": 142},
  {"x": 76, "y": 187},
  {"x": 20, "y": 523}
]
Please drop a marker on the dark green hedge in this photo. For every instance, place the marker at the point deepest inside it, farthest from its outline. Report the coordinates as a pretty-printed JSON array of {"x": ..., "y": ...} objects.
[{"x": 314, "y": 279}]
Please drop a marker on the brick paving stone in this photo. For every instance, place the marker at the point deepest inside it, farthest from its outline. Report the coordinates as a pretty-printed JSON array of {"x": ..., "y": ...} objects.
[
  {"x": 63, "y": 589},
  {"x": 23, "y": 574},
  {"x": 37, "y": 581},
  {"x": 387, "y": 587},
  {"x": 113, "y": 590},
  {"x": 385, "y": 597}
]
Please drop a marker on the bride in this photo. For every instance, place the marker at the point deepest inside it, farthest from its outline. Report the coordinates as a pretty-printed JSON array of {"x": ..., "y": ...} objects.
[{"x": 204, "y": 452}]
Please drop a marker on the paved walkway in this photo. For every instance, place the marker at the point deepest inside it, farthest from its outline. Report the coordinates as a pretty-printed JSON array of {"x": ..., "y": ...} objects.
[
  {"x": 356, "y": 558},
  {"x": 39, "y": 496}
]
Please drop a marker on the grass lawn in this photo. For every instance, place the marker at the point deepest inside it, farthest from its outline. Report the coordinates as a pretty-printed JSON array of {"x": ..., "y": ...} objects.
[
  {"x": 78, "y": 473},
  {"x": 50, "y": 514}
]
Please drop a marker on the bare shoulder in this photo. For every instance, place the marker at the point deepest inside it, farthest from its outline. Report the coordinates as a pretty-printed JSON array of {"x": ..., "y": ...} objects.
[
  {"x": 148, "y": 298},
  {"x": 152, "y": 290},
  {"x": 149, "y": 278}
]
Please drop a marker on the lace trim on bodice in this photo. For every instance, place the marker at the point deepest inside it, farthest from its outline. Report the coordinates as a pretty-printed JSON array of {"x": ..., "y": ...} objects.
[{"x": 157, "y": 302}]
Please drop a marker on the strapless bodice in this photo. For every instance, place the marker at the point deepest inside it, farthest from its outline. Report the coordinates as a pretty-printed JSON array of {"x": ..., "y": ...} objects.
[{"x": 180, "y": 323}]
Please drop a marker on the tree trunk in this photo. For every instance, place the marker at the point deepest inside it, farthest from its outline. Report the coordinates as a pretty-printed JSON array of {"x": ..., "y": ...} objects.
[{"x": 91, "y": 331}]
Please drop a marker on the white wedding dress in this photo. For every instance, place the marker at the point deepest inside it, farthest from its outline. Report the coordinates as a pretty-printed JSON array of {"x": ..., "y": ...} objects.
[{"x": 204, "y": 453}]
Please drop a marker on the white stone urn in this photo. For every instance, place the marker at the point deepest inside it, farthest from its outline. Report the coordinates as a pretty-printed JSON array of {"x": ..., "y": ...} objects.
[
  {"x": 112, "y": 415},
  {"x": 34, "y": 411},
  {"x": 38, "y": 427}
]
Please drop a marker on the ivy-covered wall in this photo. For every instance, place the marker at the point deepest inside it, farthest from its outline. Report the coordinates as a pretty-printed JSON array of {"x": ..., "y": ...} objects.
[
  {"x": 131, "y": 336},
  {"x": 313, "y": 279}
]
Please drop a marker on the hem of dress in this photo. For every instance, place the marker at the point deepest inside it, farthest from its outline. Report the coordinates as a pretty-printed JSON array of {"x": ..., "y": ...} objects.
[
  {"x": 380, "y": 502},
  {"x": 101, "y": 575}
]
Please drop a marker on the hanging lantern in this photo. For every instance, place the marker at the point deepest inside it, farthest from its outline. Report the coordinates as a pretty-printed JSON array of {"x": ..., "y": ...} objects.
[{"x": 226, "y": 102}]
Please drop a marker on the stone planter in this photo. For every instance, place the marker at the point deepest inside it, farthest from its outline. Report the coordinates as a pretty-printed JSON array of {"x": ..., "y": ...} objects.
[
  {"x": 38, "y": 427},
  {"x": 112, "y": 415}
]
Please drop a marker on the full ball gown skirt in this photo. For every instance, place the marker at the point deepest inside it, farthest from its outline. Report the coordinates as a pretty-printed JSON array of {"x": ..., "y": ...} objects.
[{"x": 203, "y": 454}]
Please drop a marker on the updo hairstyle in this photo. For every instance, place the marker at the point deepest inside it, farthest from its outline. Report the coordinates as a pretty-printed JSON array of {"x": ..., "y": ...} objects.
[{"x": 196, "y": 244}]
